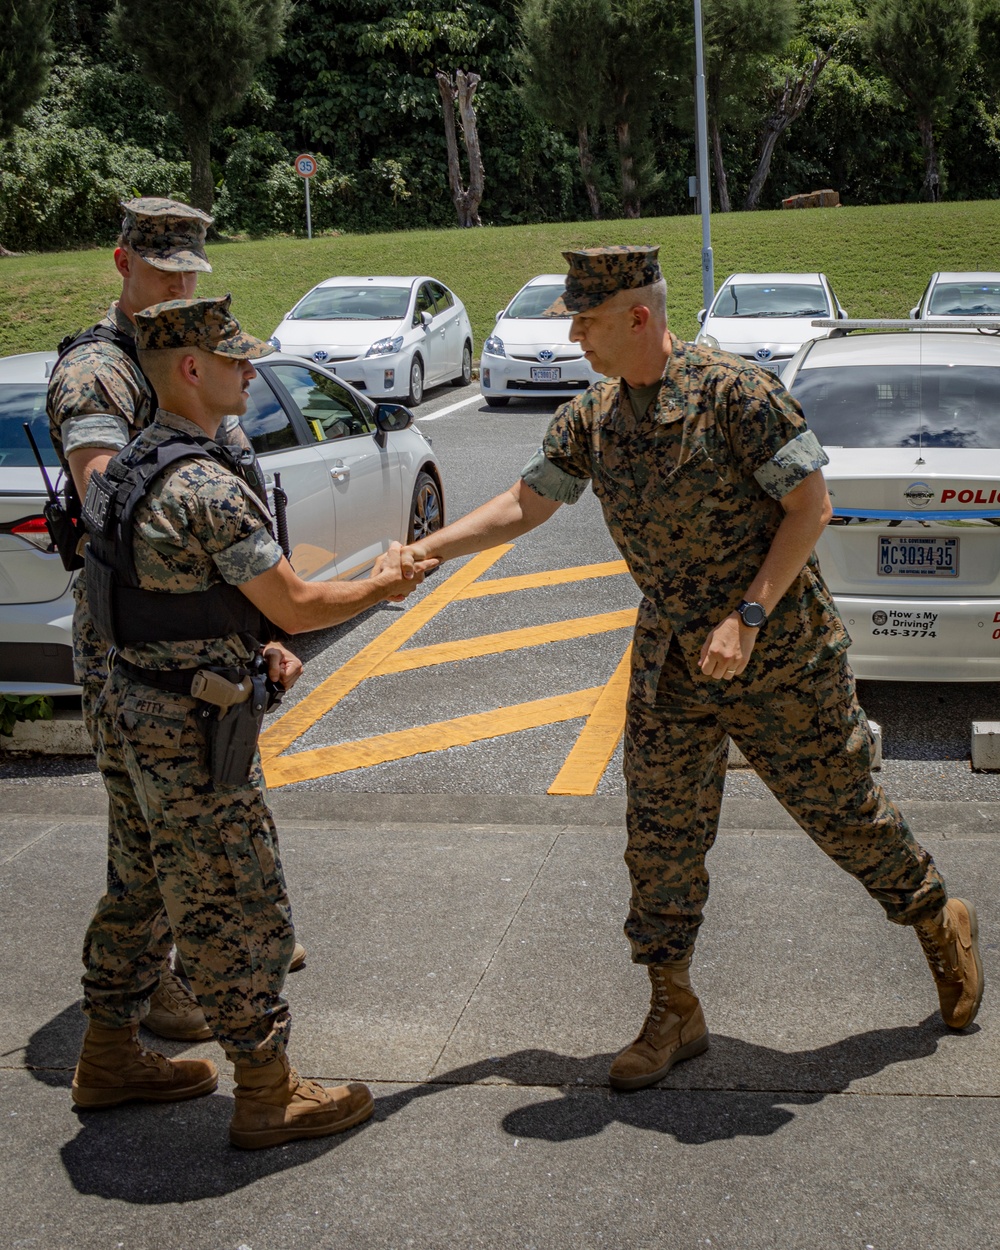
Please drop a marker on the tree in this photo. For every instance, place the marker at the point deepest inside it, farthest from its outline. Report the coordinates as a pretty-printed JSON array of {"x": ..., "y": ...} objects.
[
  {"x": 825, "y": 28},
  {"x": 24, "y": 61},
  {"x": 738, "y": 35},
  {"x": 460, "y": 90},
  {"x": 649, "y": 55},
  {"x": 923, "y": 47},
  {"x": 203, "y": 57},
  {"x": 564, "y": 57}
]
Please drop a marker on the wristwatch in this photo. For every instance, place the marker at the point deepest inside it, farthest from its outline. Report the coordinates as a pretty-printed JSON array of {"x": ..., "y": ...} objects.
[{"x": 752, "y": 614}]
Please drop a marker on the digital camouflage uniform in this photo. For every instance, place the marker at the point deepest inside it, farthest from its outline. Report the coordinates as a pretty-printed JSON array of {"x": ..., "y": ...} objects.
[
  {"x": 191, "y": 855},
  {"x": 98, "y": 398},
  {"x": 690, "y": 493}
]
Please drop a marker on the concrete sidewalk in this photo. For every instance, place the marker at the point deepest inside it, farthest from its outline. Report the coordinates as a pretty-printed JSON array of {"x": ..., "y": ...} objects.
[{"x": 471, "y": 967}]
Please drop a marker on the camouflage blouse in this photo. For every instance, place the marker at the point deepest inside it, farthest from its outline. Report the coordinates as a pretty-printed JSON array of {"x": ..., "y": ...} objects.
[{"x": 691, "y": 494}]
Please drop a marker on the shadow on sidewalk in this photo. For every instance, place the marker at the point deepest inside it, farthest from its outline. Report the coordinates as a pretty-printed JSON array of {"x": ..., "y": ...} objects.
[
  {"x": 150, "y": 1154},
  {"x": 737, "y": 1089}
]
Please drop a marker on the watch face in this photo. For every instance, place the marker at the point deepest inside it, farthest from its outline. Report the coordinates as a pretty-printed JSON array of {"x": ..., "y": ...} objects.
[{"x": 753, "y": 615}]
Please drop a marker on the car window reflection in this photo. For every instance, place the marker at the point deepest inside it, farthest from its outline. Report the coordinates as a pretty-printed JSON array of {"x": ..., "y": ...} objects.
[
  {"x": 265, "y": 422},
  {"x": 329, "y": 411}
]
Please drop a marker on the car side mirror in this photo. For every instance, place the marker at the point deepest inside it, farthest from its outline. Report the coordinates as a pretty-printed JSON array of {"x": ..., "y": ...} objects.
[
  {"x": 915, "y": 313},
  {"x": 390, "y": 419},
  {"x": 701, "y": 316},
  {"x": 425, "y": 319},
  {"x": 499, "y": 314}
]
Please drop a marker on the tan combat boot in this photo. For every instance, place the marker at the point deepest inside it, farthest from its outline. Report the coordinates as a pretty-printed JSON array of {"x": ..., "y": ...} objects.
[
  {"x": 174, "y": 1012},
  {"x": 274, "y": 1105},
  {"x": 674, "y": 1030},
  {"x": 298, "y": 958},
  {"x": 113, "y": 1068},
  {"x": 951, "y": 944}
]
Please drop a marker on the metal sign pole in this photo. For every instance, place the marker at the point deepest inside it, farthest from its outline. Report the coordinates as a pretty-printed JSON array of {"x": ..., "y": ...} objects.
[
  {"x": 309, "y": 225},
  {"x": 704, "y": 185}
]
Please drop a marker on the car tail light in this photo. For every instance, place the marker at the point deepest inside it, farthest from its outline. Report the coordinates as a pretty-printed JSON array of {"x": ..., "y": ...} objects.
[{"x": 34, "y": 530}]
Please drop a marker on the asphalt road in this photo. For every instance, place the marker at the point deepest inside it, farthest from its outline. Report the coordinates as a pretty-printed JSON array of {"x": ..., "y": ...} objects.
[{"x": 926, "y": 726}]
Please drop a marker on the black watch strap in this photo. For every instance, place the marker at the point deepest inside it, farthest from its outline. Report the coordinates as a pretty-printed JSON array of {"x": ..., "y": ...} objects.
[{"x": 752, "y": 614}]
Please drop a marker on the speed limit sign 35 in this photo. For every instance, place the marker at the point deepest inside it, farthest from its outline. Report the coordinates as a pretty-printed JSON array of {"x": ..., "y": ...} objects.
[{"x": 305, "y": 165}]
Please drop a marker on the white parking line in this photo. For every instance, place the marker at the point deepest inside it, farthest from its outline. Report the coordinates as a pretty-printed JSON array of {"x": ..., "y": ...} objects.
[{"x": 443, "y": 412}]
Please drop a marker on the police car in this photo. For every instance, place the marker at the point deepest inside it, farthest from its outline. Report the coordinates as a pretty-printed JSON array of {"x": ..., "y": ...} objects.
[
  {"x": 910, "y": 419},
  {"x": 357, "y": 475}
]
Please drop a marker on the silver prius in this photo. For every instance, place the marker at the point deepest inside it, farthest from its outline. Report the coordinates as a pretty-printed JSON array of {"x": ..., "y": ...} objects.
[
  {"x": 529, "y": 355},
  {"x": 358, "y": 474}
]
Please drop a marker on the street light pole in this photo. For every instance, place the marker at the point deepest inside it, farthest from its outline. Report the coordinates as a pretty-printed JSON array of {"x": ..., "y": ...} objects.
[{"x": 704, "y": 186}]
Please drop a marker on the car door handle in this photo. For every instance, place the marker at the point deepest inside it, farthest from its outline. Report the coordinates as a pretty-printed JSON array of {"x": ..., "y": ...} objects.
[{"x": 339, "y": 471}]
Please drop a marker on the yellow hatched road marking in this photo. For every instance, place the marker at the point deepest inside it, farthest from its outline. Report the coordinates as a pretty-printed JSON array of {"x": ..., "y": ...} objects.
[
  {"x": 463, "y": 730},
  {"x": 603, "y": 707},
  {"x": 554, "y": 577},
  {"x": 280, "y": 736},
  {"x": 592, "y": 752},
  {"x": 510, "y": 640}
]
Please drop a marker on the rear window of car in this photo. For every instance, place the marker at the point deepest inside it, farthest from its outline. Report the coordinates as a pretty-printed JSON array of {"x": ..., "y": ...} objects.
[
  {"x": 20, "y": 403},
  {"x": 779, "y": 300},
  {"x": 965, "y": 299},
  {"x": 353, "y": 303},
  {"x": 533, "y": 301},
  {"x": 902, "y": 406}
]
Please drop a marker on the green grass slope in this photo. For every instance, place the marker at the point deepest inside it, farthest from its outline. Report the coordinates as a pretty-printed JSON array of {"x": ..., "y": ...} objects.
[{"x": 878, "y": 260}]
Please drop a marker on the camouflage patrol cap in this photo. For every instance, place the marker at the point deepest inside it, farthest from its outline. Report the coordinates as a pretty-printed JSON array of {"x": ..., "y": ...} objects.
[
  {"x": 166, "y": 233},
  {"x": 597, "y": 273},
  {"x": 203, "y": 323}
]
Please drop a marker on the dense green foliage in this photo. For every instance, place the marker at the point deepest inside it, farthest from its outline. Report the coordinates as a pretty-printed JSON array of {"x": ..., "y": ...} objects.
[
  {"x": 25, "y": 46},
  {"x": 203, "y": 57},
  {"x": 354, "y": 84}
]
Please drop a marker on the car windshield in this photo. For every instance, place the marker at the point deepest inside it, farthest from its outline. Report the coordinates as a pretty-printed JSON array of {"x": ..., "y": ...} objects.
[
  {"x": 353, "y": 303},
  {"x": 20, "y": 402},
  {"x": 533, "y": 301},
  {"x": 902, "y": 406},
  {"x": 965, "y": 299},
  {"x": 758, "y": 299}
]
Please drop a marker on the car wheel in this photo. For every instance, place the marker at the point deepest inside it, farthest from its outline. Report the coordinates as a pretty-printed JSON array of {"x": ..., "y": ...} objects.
[
  {"x": 416, "y": 392},
  {"x": 497, "y": 401},
  {"x": 427, "y": 509},
  {"x": 465, "y": 377}
]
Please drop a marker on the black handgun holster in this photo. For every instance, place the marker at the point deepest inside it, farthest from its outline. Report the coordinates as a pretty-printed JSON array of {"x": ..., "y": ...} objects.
[{"x": 232, "y": 741}]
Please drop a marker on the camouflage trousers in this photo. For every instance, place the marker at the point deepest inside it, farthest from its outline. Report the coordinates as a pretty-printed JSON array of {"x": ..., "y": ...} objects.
[
  {"x": 810, "y": 744},
  {"x": 187, "y": 855}
]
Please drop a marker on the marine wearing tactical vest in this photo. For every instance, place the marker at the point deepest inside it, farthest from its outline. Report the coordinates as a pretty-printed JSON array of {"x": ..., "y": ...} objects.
[
  {"x": 179, "y": 537},
  {"x": 98, "y": 400}
]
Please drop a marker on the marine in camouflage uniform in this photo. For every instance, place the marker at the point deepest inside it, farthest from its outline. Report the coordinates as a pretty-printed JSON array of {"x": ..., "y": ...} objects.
[
  {"x": 192, "y": 853},
  {"x": 691, "y": 472},
  {"x": 98, "y": 401}
]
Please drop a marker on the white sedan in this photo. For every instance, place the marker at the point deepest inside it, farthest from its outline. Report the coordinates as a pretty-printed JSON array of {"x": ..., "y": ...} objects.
[
  {"x": 766, "y": 317},
  {"x": 959, "y": 294},
  {"x": 390, "y": 337},
  {"x": 357, "y": 475},
  {"x": 911, "y": 423},
  {"x": 530, "y": 355}
]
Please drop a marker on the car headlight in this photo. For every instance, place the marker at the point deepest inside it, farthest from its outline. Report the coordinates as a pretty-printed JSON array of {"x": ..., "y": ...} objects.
[
  {"x": 275, "y": 342},
  {"x": 385, "y": 347},
  {"x": 494, "y": 346},
  {"x": 708, "y": 340}
]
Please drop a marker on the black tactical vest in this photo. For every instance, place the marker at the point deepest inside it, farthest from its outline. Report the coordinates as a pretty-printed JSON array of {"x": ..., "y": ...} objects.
[{"x": 125, "y": 613}]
